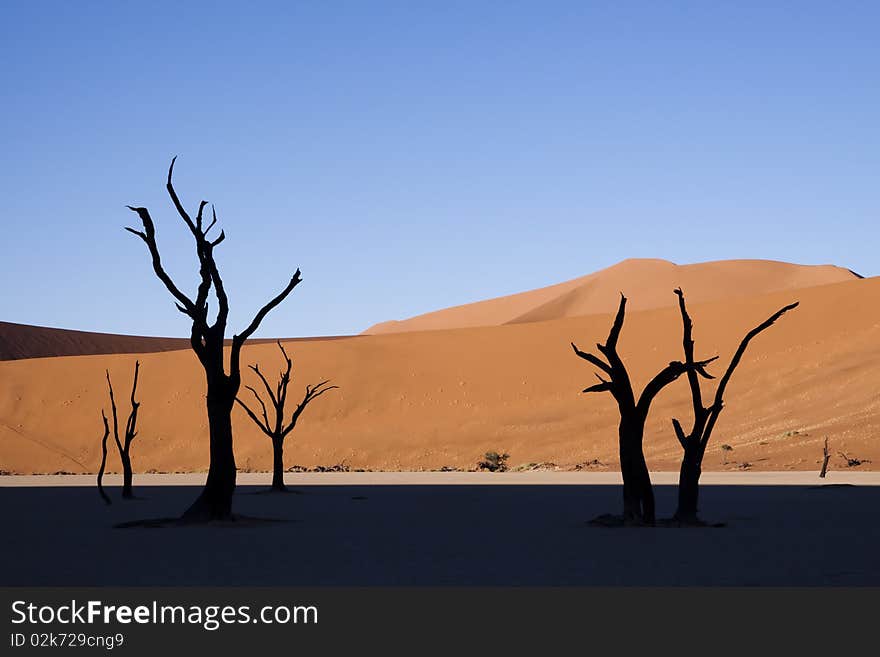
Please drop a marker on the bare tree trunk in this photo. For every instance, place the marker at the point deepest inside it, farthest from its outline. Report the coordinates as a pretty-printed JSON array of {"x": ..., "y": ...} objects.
[
  {"x": 104, "y": 495},
  {"x": 127, "y": 490},
  {"x": 689, "y": 486},
  {"x": 638, "y": 493},
  {"x": 215, "y": 500},
  {"x": 278, "y": 466}
]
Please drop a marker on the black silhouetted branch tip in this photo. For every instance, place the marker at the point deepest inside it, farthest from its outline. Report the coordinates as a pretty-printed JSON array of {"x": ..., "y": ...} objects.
[
  {"x": 104, "y": 495},
  {"x": 207, "y": 341},
  {"x": 277, "y": 430},
  {"x": 694, "y": 443}
]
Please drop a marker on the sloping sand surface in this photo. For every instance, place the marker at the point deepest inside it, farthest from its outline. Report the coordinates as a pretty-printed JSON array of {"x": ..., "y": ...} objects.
[
  {"x": 423, "y": 400},
  {"x": 19, "y": 341},
  {"x": 646, "y": 281},
  {"x": 24, "y": 341}
]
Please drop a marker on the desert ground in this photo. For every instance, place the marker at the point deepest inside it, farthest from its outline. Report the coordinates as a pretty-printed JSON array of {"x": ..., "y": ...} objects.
[
  {"x": 418, "y": 400},
  {"x": 782, "y": 529}
]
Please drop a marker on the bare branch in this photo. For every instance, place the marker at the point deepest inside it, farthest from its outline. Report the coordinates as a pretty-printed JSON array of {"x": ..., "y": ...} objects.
[
  {"x": 262, "y": 406},
  {"x": 213, "y": 221},
  {"x": 253, "y": 416},
  {"x": 599, "y": 387},
  {"x": 679, "y": 433},
  {"x": 767, "y": 323},
  {"x": 312, "y": 393},
  {"x": 239, "y": 340},
  {"x": 737, "y": 357},
  {"x": 688, "y": 342},
  {"x": 256, "y": 368},
  {"x": 131, "y": 424},
  {"x": 284, "y": 381},
  {"x": 199, "y": 217},
  {"x": 614, "y": 334},
  {"x": 177, "y": 204},
  {"x": 663, "y": 378},
  {"x": 149, "y": 237},
  {"x": 255, "y": 323},
  {"x": 113, "y": 407},
  {"x": 595, "y": 360}
]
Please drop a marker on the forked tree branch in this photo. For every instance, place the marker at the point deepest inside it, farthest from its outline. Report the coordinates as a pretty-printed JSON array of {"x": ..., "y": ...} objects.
[
  {"x": 264, "y": 425},
  {"x": 666, "y": 376},
  {"x": 272, "y": 397},
  {"x": 279, "y": 398},
  {"x": 706, "y": 417},
  {"x": 312, "y": 393}
]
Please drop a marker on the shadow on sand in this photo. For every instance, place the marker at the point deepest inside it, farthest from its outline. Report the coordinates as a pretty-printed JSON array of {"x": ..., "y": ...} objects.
[{"x": 443, "y": 535}]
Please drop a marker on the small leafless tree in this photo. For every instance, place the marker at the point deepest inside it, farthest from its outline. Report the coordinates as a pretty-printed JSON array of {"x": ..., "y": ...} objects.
[
  {"x": 277, "y": 428},
  {"x": 207, "y": 341},
  {"x": 638, "y": 494},
  {"x": 694, "y": 443},
  {"x": 104, "y": 495},
  {"x": 826, "y": 456},
  {"x": 124, "y": 445}
]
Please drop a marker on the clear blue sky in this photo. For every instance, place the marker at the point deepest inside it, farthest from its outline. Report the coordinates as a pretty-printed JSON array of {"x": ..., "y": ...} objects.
[{"x": 414, "y": 155}]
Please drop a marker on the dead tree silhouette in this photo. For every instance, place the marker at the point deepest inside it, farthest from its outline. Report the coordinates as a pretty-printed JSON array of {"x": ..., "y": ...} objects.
[
  {"x": 124, "y": 445},
  {"x": 104, "y": 495},
  {"x": 207, "y": 340},
  {"x": 277, "y": 429},
  {"x": 694, "y": 443},
  {"x": 638, "y": 494}
]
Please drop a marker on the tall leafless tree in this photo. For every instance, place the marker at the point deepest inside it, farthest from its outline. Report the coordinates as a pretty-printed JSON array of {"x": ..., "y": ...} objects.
[
  {"x": 277, "y": 428},
  {"x": 694, "y": 443},
  {"x": 638, "y": 494},
  {"x": 124, "y": 445},
  {"x": 207, "y": 340}
]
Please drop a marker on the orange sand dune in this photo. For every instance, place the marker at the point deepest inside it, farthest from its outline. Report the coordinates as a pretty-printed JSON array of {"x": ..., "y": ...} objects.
[
  {"x": 24, "y": 341},
  {"x": 422, "y": 400},
  {"x": 647, "y": 281}
]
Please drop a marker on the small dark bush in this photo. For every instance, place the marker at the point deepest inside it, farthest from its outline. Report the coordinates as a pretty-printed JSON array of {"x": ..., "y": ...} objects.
[{"x": 493, "y": 462}]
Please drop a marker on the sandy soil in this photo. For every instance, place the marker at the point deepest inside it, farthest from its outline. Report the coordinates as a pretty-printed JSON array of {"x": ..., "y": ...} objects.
[
  {"x": 533, "y": 478},
  {"x": 429, "y": 399},
  {"x": 435, "y": 534}
]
